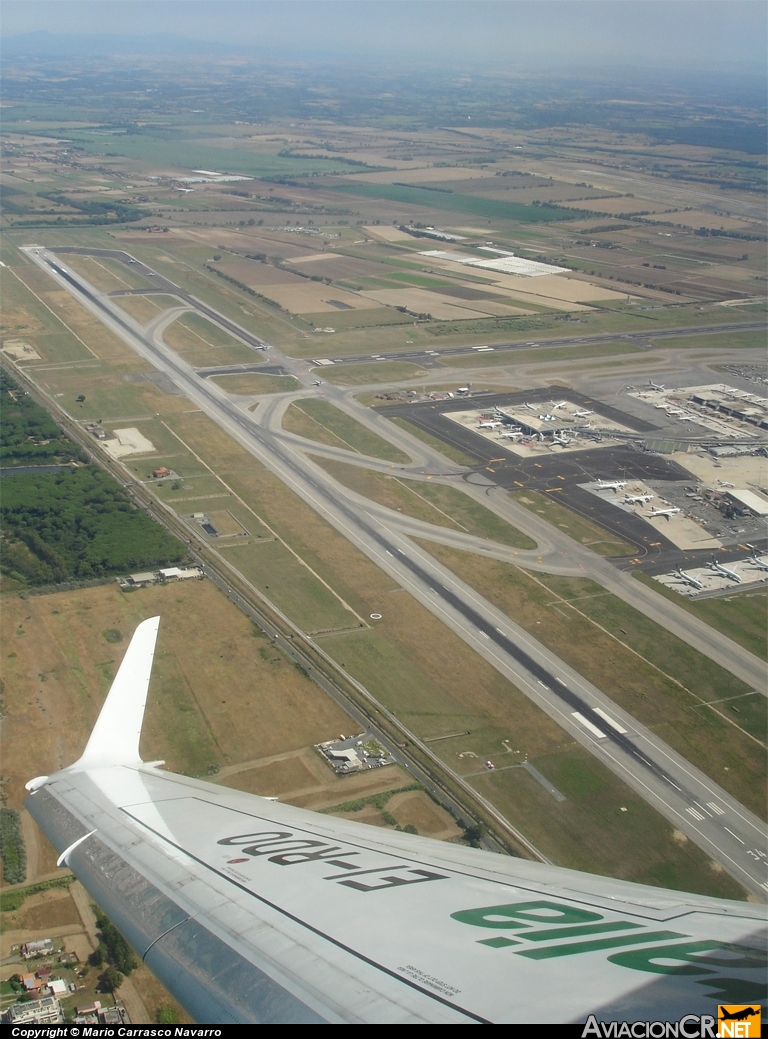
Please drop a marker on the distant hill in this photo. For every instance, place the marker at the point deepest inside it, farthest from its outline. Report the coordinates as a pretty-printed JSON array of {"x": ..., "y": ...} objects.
[{"x": 49, "y": 44}]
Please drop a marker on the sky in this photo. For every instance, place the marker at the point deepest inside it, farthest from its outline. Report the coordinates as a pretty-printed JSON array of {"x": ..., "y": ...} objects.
[{"x": 677, "y": 34}]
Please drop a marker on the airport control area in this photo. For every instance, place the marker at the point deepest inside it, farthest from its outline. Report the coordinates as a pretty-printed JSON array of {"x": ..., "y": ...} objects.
[{"x": 461, "y": 429}]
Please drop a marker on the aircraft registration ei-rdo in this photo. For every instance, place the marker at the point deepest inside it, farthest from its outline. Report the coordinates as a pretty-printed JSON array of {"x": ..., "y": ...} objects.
[{"x": 253, "y": 911}]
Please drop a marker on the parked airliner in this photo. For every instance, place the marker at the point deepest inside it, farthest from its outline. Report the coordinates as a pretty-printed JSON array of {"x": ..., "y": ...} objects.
[{"x": 694, "y": 582}]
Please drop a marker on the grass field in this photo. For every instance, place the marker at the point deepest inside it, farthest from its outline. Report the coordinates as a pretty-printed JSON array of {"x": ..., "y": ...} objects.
[
  {"x": 256, "y": 383},
  {"x": 577, "y": 527},
  {"x": 375, "y": 372},
  {"x": 731, "y": 341},
  {"x": 323, "y": 422},
  {"x": 455, "y": 455},
  {"x": 458, "y": 203},
  {"x": 145, "y": 308},
  {"x": 219, "y": 692},
  {"x": 541, "y": 356},
  {"x": 431, "y": 502},
  {"x": 294, "y": 589},
  {"x": 601, "y": 822},
  {"x": 115, "y": 392},
  {"x": 740, "y": 616},
  {"x": 652, "y": 674},
  {"x": 202, "y": 345},
  {"x": 210, "y": 333}
]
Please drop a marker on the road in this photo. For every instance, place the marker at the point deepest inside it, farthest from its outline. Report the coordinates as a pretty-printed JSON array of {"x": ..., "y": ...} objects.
[{"x": 692, "y": 801}]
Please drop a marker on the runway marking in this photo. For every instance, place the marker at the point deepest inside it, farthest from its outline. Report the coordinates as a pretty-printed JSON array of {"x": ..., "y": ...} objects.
[
  {"x": 715, "y": 808},
  {"x": 694, "y": 813},
  {"x": 588, "y": 725},
  {"x": 733, "y": 835},
  {"x": 611, "y": 721},
  {"x": 671, "y": 783},
  {"x": 543, "y": 686},
  {"x": 485, "y": 634}
]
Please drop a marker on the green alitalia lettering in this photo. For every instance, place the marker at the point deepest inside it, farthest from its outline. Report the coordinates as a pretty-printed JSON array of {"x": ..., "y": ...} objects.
[
  {"x": 574, "y": 932},
  {"x": 573, "y": 948},
  {"x": 520, "y": 915},
  {"x": 686, "y": 958}
]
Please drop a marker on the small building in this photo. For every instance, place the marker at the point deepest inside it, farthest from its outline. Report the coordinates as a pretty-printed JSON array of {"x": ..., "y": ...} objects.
[
  {"x": 175, "y": 573},
  {"x": 351, "y": 757},
  {"x": 40, "y": 948},
  {"x": 136, "y": 580},
  {"x": 58, "y": 987},
  {"x": 160, "y": 472}
]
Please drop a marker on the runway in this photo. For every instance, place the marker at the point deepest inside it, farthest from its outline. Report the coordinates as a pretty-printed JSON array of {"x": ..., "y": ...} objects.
[{"x": 690, "y": 800}]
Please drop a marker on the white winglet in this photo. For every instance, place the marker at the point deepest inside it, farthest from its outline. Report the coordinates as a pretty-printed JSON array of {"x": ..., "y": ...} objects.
[{"x": 116, "y": 734}]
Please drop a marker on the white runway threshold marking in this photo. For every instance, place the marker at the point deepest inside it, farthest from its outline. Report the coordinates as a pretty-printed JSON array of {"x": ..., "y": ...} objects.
[
  {"x": 588, "y": 725},
  {"x": 611, "y": 721}
]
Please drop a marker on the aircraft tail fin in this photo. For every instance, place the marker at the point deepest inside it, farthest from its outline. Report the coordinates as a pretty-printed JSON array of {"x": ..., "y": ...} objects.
[{"x": 115, "y": 736}]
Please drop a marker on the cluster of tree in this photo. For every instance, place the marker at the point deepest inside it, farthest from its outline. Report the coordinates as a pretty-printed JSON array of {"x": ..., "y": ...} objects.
[
  {"x": 12, "y": 850},
  {"x": 10, "y": 901},
  {"x": 114, "y": 952},
  {"x": 77, "y": 525},
  {"x": 28, "y": 434},
  {"x": 98, "y": 211},
  {"x": 246, "y": 288}
]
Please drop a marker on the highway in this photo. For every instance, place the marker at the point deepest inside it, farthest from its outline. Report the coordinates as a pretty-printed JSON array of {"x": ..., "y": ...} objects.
[{"x": 692, "y": 801}]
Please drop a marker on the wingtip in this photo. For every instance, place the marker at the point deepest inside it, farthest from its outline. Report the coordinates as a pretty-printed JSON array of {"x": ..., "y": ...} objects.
[{"x": 115, "y": 737}]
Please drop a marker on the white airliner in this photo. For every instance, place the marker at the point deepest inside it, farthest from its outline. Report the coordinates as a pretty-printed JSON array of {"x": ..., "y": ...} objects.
[
  {"x": 654, "y": 385},
  {"x": 249, "y": 910},
  {"x": 637, "y": 499},
  {"x": 694, "y": 582},
  {"x": 562, "y": 441},
  {"x": 560, "y": 404},
  {"x": 611, "y": 485},
  {"x": 756, "y": 561},
  {"x": 582, "y": 414},
  {"x": 671, "y": 511},
  {"x": 512, "y": 436},
  {"x": 720, "y": 569},
  {"x": 489, "y": 425}
]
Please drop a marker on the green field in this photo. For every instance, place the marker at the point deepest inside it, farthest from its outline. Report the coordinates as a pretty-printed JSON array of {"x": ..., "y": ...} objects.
[
  {"x": 682, "y": 696},
  {"x": 543, "y": 355},
  {"x": 575, "y": 526},
  {"x": 375, "y": 372},
  {"x": 455, "y": 455},
  {"x": 320, "y": 421},
  {"x": 741, "y": 616},
  {"x": 251, "y": 383},
  {"x": 458, "y": 203},
  {"x": 432, "y": 502},
  {"x": 602, "y": 826}
]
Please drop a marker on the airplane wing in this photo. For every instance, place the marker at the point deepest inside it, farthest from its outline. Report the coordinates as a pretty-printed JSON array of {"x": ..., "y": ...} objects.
[{"x": 253, "y": 911}]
